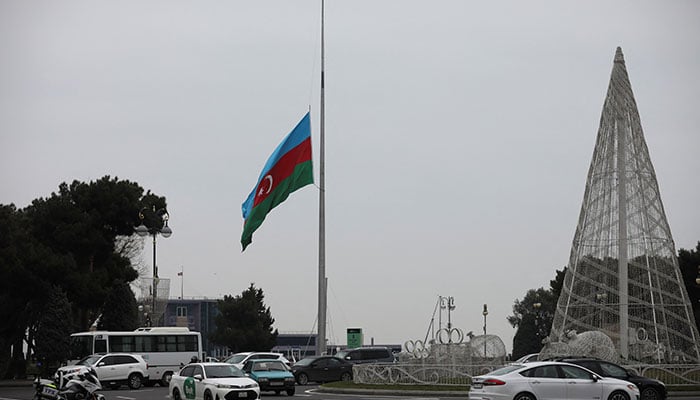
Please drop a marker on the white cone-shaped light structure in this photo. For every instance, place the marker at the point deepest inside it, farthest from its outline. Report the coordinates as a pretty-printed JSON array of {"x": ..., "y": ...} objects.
[{"x": 623, "y": 278}]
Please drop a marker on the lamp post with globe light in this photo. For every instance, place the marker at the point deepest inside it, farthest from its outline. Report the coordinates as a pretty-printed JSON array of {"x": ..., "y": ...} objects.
[
  {"x": 159, "y": 226},
  {"x": 538, "y": 332}
]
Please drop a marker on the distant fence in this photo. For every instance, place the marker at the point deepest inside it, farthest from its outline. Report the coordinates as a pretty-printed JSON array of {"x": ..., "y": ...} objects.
[
  {"x": 461, "y": 375},
  {"x": 670, "y": 374}
]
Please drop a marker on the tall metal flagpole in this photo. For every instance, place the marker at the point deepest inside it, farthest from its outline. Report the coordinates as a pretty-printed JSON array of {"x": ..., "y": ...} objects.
[{"x": 322, "y": 285}]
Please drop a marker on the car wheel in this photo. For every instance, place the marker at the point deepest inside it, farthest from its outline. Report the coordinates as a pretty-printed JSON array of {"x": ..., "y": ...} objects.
[
  {"x": 135, "y": 381},
  {"x": 525, "y": 396},
  {"x": 619, "y": 395},
  {"x": 345, "y": 377},
  {"x": 165, "y": 379},
  {"x": 176, "y": 394},
  {"x": 302, "y": 379},
  {"x": 650, "y": 394},
  {"x": 290, "y": 392},
  {"x": 207, "y": 395}
]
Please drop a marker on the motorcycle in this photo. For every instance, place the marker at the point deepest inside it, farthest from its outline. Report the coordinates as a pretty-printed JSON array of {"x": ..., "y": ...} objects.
[
  {"x": 45, "y": 389},
  {"x": 82, "y": 386}
]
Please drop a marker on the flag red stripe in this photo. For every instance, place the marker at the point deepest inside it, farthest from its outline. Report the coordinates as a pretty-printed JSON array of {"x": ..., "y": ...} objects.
[{"x": 282, "y": 170}]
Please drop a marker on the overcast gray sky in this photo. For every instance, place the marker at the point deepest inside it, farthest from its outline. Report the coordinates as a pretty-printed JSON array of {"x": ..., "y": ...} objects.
[{"x": 458, "y": 138}]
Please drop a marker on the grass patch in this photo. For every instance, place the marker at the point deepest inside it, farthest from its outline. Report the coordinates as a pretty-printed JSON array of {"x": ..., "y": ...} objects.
[{"x": 433, "y": 388}]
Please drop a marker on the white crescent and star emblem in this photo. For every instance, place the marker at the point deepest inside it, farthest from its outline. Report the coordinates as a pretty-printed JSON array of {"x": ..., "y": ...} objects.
[{"x": 262, "y": 186}]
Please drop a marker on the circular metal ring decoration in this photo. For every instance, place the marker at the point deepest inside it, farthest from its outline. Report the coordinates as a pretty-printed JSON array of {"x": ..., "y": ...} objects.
[
  {"x": 642, "y": 334},
  {"x": 417, "y": 348},
  {"x": 450, "y": 336}
]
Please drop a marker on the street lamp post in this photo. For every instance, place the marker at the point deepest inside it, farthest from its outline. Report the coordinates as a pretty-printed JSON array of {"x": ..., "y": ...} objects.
[
  {"x": 538, "y": 333},
  {"x": 485, "y": 313},
  {"x": 159, "y": 227}
]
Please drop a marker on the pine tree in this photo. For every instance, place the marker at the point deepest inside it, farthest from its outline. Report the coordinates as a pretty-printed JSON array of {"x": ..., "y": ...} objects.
[
  {"x": 53, "y": 329},
  {"x": 120, "y": 311},
  {"x": 244, "y": 323}
]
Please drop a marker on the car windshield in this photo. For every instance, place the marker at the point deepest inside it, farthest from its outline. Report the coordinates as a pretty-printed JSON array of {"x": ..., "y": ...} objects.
[
  {"x": 236, "y": 358},
  {"x": 304, "y": 362},
  {"x": 89, "y": 360},
  {"x": 527, "y": 358},
  {"x": 269, "y": 366},
  {"x": 223, "y": 371},
  {"x": 341, "y": 354}
]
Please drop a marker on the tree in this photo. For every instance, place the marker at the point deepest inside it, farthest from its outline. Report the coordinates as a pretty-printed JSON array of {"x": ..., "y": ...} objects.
[
  {"x": 244, "y": 323},
  {"x": 120, "y": 310},
  {"x": 52, "y": 330},
  {"x": 19, "y": 287},
  {"x": 532, "y": 317},
  {"x": 84, "y": 222},
  {"x": 80, "y": 239},
  {"x": 689, "y": 264}
]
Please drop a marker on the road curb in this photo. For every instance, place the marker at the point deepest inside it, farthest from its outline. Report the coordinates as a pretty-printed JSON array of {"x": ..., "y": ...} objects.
[
  {"x": 385, "y": 392},
  {"x": 447, "y": 393}
]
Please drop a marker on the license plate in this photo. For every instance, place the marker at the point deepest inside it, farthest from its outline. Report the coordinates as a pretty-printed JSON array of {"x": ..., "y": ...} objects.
[
  {"x": 276, "y": 383},
  {"x": 49, "y": 391},
  {"x": 243, "y": 394}
]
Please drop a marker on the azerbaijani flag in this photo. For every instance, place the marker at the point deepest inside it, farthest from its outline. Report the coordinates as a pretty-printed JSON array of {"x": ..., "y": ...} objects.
[{"x": 287, "y": 169}]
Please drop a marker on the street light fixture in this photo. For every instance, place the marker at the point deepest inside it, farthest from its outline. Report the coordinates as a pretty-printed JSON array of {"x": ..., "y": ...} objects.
[
  {"x": 159, "y": 227},
  {"x": 538, "y": 333},
  {"x": 485, "y": 313}
]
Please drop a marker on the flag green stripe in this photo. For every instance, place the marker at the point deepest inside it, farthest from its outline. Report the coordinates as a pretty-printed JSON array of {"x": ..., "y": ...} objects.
[{"x": 302, "y": 176}]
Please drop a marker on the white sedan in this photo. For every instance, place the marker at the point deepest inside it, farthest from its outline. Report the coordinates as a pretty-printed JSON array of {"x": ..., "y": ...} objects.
[
  {"x": 212, "y": 381},
  {"x": 544, "y": 380}
]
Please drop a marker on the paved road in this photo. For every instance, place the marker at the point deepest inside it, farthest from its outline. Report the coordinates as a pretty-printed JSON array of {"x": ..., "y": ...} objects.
[
  {"x": 303, "y": 393},
  {"x": 307, "y": 392}
]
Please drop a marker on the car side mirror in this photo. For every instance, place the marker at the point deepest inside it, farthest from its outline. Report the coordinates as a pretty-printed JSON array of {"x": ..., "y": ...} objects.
[
  {"x": 595, "y": 378},
  {"x": 198, "y": 377},
  {"x": 102, "y": 364}
]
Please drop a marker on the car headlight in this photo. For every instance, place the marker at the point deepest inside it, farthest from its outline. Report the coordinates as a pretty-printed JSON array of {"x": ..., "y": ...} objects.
[
  {"x": 263, "y": 380},
  {"x": 633, "y": 388},
  {"x": 252, "y": 385},
  {"x": 224, "y": 386},
  {"x": 289, "y": 379}
]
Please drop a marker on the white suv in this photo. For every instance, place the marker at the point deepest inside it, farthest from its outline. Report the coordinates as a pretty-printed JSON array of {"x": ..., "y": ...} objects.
[{"x": 112, "y": 369}]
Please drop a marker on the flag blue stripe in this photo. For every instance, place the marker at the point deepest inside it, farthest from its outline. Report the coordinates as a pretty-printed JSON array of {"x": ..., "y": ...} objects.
[{"x": 292, "y": 140}]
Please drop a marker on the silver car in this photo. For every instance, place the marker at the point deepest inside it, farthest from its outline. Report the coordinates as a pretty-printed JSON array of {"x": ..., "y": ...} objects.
[{"x": 548, "y": 380}]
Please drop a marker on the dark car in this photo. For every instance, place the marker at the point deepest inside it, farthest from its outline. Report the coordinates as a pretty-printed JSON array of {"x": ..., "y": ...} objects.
[
  {"x": 649, "y": 389},
  {"x": 363, "y": 355},
  {"x": 322, "y": 369}
]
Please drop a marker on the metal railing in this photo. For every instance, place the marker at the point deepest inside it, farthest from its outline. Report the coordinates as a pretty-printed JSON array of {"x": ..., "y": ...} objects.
[{"x": 461, "y": 374}]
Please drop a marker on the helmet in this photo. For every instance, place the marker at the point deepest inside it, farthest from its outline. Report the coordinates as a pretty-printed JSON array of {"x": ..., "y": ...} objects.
[{"x": 193, "y": 359}]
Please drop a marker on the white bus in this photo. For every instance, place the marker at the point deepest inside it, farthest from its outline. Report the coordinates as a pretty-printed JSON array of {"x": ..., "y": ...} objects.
[{"x": 165, "y": 349}]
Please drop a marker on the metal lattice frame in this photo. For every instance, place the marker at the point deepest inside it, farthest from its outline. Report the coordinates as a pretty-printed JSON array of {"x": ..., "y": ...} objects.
[
  {"x": 623, "y": 277},
  {"x": 151, "y": 308}
]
